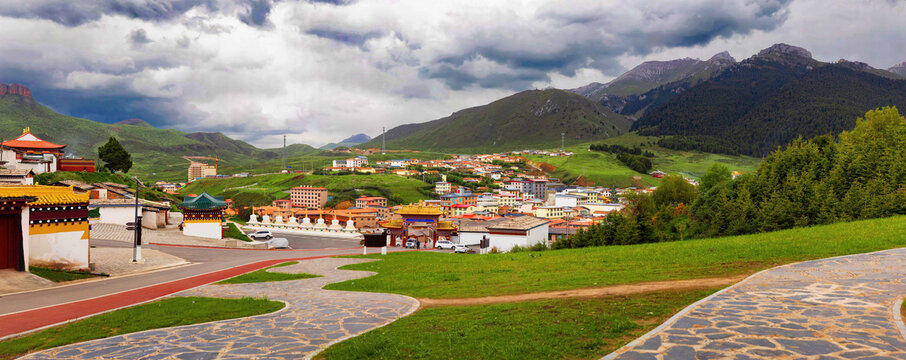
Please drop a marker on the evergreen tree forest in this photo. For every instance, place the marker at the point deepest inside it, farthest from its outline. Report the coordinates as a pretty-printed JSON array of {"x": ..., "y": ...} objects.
[{"x": 860, "y": 175}]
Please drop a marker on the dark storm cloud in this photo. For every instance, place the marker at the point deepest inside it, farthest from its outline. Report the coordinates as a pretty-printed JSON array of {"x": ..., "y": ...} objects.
[
  {"x": 346, "y": 37},
  {"x": 75, "y": 13},
  {"x": 577, "y": 37}
]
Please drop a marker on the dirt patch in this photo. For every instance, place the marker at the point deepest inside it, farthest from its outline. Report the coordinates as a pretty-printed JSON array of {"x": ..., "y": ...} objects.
[{"x": 590, "y": 292}]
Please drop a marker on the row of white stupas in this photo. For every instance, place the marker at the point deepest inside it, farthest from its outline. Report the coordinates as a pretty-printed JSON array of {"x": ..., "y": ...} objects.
[{"x": 293, "y": 224}]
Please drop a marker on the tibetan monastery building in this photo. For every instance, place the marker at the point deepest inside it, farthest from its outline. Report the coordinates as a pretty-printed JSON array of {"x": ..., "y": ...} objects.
[
  {"x": 44, "y": 226},
  {"x": 29, "y": 152}
]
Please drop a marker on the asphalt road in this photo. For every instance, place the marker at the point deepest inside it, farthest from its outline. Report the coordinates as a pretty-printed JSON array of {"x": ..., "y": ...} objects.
[{"x": 204, "y": 260}]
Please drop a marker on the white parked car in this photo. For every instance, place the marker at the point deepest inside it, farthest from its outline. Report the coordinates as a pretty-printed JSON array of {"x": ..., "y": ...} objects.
[
  {"x": 261, "y": 234},
  {"x": 445, "y": 244},
  {"x": 459, "y": 248}
]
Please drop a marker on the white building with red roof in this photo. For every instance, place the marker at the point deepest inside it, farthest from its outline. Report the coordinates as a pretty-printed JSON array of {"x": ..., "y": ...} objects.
[{"x": 30, "y": 152}]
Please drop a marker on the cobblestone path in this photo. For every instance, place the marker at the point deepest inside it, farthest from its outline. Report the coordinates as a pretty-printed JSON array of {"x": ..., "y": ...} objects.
[
  {"x": 837, "y": 308},
  {"x": 312, "y": 319}
]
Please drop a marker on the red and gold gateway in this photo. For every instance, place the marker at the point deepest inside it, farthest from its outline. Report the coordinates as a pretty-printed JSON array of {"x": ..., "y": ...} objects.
[{"x": 420, "y": 222}]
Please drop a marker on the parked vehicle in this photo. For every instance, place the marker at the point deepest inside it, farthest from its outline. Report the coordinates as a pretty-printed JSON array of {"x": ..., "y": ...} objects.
[
  {"x": 445, "y": 244},
  {"x": 261, "y": 234},
  {"x": 411, "y": 244},
  {"x": 459, "y": 248}
]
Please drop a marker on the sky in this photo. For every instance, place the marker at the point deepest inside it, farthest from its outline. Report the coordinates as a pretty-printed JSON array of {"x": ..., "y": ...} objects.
[{"x": 320, "y": 71}]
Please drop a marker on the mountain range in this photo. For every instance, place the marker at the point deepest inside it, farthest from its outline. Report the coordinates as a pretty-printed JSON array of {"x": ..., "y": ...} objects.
[
  {"x": 348, "y": 142},
  {"x": 764, "y": 102},
  {"x": 530, "y": 118},
  {"x": 153, "y": 150}
]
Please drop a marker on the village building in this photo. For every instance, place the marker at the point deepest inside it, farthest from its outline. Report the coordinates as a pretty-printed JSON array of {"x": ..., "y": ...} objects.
[
  {"x": 155, "y": 215},
  {"x": 370, "y": 201},
  {"x": 17, "y": 177},
  {"x": 203, "y": 216},
  {"x": 44, "y": 226},
  {"x": 30, "y": 152},
  {"x": 357, "y": 162},
  {"x": 442, "y": 187},
  {"x": 308, "y": 197},
  {"x": 505, "y": 233},
  {"x": 548, "y": 212},
  {"x": 283, "y": 204},
  {"x": 201, "y": 170}
]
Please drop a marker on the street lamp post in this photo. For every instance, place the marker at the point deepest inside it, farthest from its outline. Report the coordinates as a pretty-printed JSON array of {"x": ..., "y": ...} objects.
[{"x": 137, "y": 237}]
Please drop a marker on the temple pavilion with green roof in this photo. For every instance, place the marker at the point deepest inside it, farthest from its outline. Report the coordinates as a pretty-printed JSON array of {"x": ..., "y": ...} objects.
[{"x": 203, "y": 216}]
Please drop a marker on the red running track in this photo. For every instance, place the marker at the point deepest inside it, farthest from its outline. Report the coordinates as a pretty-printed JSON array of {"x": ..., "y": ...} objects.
[{"x": 30, "y": 320}]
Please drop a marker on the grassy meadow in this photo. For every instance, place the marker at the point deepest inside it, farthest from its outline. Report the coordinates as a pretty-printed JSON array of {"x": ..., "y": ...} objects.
[
  {"x": 545, "y": 329},
  {"x": 442, "y": 275}
]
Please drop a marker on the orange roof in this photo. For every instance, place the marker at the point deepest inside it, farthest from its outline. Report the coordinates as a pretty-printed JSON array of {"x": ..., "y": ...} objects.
[
  {"x": 308, "y": 188},
  {"x": 29, "y": 141}
]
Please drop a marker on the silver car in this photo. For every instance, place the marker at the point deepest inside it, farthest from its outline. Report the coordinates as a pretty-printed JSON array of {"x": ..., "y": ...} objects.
[{"x": 445, "y": 244}]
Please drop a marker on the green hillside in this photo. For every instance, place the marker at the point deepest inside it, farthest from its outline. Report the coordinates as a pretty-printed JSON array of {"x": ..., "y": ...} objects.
[
  {"x": 533, "y": 118},
  {"x": 156, "y": 153},
  {"x": 603, "y": 169},
  {"x": 262, "y": 189}
]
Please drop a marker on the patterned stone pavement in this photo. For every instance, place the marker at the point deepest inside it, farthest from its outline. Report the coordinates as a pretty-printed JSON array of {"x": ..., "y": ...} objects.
[
  {"x": 837, "y": 308},
  {"x": 312, "y": 319}
]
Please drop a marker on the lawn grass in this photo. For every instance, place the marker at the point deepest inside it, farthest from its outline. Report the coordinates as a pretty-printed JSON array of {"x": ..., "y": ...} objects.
[
  {"x": 233, "y": 232},
  {"x": 441, "y": 275},
  {"x": 263, "y": 275},
  {"x": 545, "y": 329},
  {"x": 160, "y": 314},
  {"x": 59, "y": 275}
]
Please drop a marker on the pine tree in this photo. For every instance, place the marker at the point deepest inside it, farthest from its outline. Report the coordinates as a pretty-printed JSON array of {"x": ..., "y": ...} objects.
[{"x": 115, "y": 156}]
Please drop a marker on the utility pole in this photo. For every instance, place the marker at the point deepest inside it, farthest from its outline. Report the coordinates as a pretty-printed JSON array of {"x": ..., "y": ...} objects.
[
  {"x": 136, "y": 227},
  {"x": 562, "y": 140},
  {"x": 284, "y": 152},
  {"x": 383, "y": 141}
]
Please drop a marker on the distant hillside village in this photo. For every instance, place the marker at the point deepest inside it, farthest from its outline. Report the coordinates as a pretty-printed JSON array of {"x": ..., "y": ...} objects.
[{"x": 487, "y": 201}]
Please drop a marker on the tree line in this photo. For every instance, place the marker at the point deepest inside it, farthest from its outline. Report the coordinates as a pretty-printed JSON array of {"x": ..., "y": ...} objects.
[
  {"x": 860, "y": 175},
  {"x": 634, "y": 157}
]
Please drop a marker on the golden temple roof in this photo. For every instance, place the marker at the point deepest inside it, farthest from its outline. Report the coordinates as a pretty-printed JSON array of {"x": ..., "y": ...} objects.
[
  {"x": 47, "y": 195},
  {"x": 419, "y": 210}
]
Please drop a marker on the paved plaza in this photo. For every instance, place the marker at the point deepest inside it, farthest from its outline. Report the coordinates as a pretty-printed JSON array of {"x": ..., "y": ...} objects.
[
  {"x": 312, "y": 319},
  {"x": 838, "y": 308}
]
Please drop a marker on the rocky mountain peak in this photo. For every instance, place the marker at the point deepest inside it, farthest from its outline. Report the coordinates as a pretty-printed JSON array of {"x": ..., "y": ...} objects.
[
  {"x": 785, "y": 50},
  {"x": 15, "y": 89},
  {"x": 652, "y": 70},
  {"x": 722, "y": 57},
  {"x": 898, "y": 68}
]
